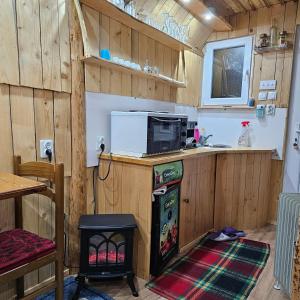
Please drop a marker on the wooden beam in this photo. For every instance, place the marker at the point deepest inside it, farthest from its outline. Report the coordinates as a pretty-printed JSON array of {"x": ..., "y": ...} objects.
[
  {"x": 78, "y": 191},
  {"x": 252, "y": 5},
  {"x": 198, "y": 10}
]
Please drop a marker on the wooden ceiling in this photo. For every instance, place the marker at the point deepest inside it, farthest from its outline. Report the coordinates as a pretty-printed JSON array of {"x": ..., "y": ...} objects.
[{"x": 227, "y": 8}]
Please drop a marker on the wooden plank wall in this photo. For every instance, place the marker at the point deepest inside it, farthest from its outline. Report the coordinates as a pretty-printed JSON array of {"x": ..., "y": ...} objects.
[
  {"x": 269, "y": 65},
  {"x": 35, "y": 46},
  {"x": 26, "y": 116},
  {"x": 105, "y": 32},
  {"x": 35, "y": 85}
]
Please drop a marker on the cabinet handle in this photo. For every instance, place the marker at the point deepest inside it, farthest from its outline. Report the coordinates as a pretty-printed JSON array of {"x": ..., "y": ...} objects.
[{"x": 186, "y": 200}]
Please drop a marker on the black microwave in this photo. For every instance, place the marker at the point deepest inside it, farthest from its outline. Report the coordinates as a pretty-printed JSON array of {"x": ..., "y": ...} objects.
[{"x": 142, "y": 133}]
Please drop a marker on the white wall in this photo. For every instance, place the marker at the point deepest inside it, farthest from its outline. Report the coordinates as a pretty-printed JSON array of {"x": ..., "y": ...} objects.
[
  {"x": 292, "y": 163},
  {"x": 225, "y": 126},
  {"x": 98, "y": 108}
]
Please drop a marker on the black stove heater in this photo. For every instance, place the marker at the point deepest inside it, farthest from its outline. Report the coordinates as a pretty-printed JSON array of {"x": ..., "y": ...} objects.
[{"x": 106, "y": 248}]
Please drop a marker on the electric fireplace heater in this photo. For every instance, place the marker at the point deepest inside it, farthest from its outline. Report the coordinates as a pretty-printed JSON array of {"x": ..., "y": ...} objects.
[{"x": 106, "y": 248}]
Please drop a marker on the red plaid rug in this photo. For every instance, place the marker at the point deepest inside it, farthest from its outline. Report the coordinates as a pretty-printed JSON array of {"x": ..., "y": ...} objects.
[{"x": 214, "y": 271}]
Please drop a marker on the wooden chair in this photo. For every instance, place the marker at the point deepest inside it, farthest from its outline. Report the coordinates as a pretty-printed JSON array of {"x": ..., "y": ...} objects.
[{"x": 45, "y": 251}]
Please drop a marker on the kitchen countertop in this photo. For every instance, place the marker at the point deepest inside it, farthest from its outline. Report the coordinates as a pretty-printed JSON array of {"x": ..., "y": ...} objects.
[{"x": 189, "y": 153}]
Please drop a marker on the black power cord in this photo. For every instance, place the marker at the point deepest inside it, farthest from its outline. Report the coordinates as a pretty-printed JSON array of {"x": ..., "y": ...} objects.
[{"x": 96, "y": 176}]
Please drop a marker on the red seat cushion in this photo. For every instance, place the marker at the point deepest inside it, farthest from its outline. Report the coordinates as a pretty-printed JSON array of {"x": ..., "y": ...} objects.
[{"x": 18, "y": 247}]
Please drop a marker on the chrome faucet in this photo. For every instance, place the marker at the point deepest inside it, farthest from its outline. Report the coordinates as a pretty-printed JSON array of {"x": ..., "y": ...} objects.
[{"x": 203, "y": 139}]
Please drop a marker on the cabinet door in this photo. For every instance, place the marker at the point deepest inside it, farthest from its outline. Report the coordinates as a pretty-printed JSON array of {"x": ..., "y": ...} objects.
[
  {"x": 187, "y": 204},
  {"x": 204, "y": 195},
  {"x": 197, "y": 198}
]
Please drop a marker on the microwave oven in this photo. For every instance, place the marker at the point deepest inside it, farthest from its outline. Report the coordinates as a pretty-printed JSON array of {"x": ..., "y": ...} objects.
[{"x": 142, "y": 133}]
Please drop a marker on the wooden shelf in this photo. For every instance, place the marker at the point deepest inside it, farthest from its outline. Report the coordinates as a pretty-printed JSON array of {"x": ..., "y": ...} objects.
[
  {"x": 111, "y": 10},
  {"x": 262, "y": 50},
  {"x": 115, "y": 66}
]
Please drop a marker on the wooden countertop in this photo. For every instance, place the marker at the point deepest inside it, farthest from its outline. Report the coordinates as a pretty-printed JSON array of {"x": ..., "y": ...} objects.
[{"x": 165, "y": 158}]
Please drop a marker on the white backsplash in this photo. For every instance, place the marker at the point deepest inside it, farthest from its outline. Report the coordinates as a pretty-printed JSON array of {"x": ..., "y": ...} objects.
[{"x": 224, "y": 125}]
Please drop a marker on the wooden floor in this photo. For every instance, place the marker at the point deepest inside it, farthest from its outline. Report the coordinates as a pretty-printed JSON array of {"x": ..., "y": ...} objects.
[{"x": 263, "y": 291}]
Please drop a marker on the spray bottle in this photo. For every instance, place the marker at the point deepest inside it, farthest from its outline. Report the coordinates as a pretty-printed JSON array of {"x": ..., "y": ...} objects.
[{"x": 244, "y": 139}]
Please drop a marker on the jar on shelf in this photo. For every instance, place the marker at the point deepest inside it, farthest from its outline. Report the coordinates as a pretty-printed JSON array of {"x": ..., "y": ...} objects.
[
  {"x": 282, "y": 42},
  {"x": 263, "y": 40}
]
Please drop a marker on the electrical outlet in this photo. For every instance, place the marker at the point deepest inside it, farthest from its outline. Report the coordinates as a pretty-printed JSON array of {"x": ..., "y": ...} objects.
[
  {"x": 100, "y": 140},
  {"x": 267, "y": 84},
  {"x": 44, "y": 146},
  {"x": 270, "y": 109},
  {"x": 262, "y": 96},
  {"x": 272, "y": 95}
]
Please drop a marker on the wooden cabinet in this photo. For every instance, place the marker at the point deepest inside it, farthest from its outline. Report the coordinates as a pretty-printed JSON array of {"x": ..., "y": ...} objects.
[
  {"x": 197, "y": 198},
  {"x": 242, "y": 194}
]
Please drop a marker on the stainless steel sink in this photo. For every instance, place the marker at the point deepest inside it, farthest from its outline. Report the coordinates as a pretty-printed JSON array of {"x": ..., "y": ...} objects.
[{"x": 219, "y": 146}]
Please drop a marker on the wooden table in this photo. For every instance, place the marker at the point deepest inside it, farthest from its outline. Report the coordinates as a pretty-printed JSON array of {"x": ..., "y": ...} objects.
[{"x": 12, "y": 186}]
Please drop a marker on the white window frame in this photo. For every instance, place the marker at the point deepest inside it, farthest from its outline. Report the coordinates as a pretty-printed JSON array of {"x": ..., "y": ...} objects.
[{"x": 207, "y": 100}]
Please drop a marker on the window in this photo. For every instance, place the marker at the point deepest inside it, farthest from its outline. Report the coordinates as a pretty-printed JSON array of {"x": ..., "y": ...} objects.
[{"x": 226, "y": 72}]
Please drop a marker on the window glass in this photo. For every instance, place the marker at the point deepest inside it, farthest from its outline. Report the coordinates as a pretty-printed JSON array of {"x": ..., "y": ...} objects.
[{"x": 228, "y": 65}]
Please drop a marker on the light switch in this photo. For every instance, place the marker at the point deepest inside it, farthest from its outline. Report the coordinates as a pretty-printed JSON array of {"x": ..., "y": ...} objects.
[
  {"x": 262, "y": 96},
  {"x": 267, "y": 84},
  {"x": 272, "y": 95}
]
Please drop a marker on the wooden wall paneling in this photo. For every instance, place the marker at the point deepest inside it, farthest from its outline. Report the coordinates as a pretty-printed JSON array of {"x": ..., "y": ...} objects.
[
  {"x": 29, "y": 42},
  {"x": 229, "y": 188},
  {"x": 252, "y": 188},
  {"x": 241, "y": 25},
  {"x": 289, "y": 26},
  {"x": 6, "y": 158},
  {"x": 220, "y": 196},
  {"x": 194, "y": 70},
  {"x": 6, "y": 162},
  {"x": 50, "y": 45},
  {"x": 151, "y": 84},
  {"x": 90, "y": 191},
  {"x": 159, "y": 50},
  {"x": 9, "y": 65},
  {"x": 62, "y": 130},
  {"x": 176, "y": 55},
  {"x": 44, "y": 129},
  {"x": 298, "y": 15},
  {"x": 126, "y": 54},
  {"x": 278, "y": 13},
  {"x": 276, "y": 188},
  {"x": 239, "y": 183},
  {"x": 143, "y": 59},
  {"x": 92, "y": 71},
  {"x": 264, "y": 189},
  {"x": 104, "y": 44},
  {"x": 23, "y": 129},
  {"x": 135, "y": 58},
  {"x": 115, "y": 48},
  {"x": 78, "y": 191},
  {"x": 105, "y": 197},
  {"x": 167, "y": 70},
  {"x": 64, "y": 44}
]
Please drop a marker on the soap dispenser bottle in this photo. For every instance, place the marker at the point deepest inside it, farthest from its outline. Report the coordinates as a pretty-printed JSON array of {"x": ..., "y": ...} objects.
[{"x": 244, "y": 139}]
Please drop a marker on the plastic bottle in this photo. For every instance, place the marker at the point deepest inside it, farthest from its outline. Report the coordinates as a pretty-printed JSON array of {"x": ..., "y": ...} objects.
[
  {"x": 196, "y": 134},
  {"x": 244, "y": 139}
]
